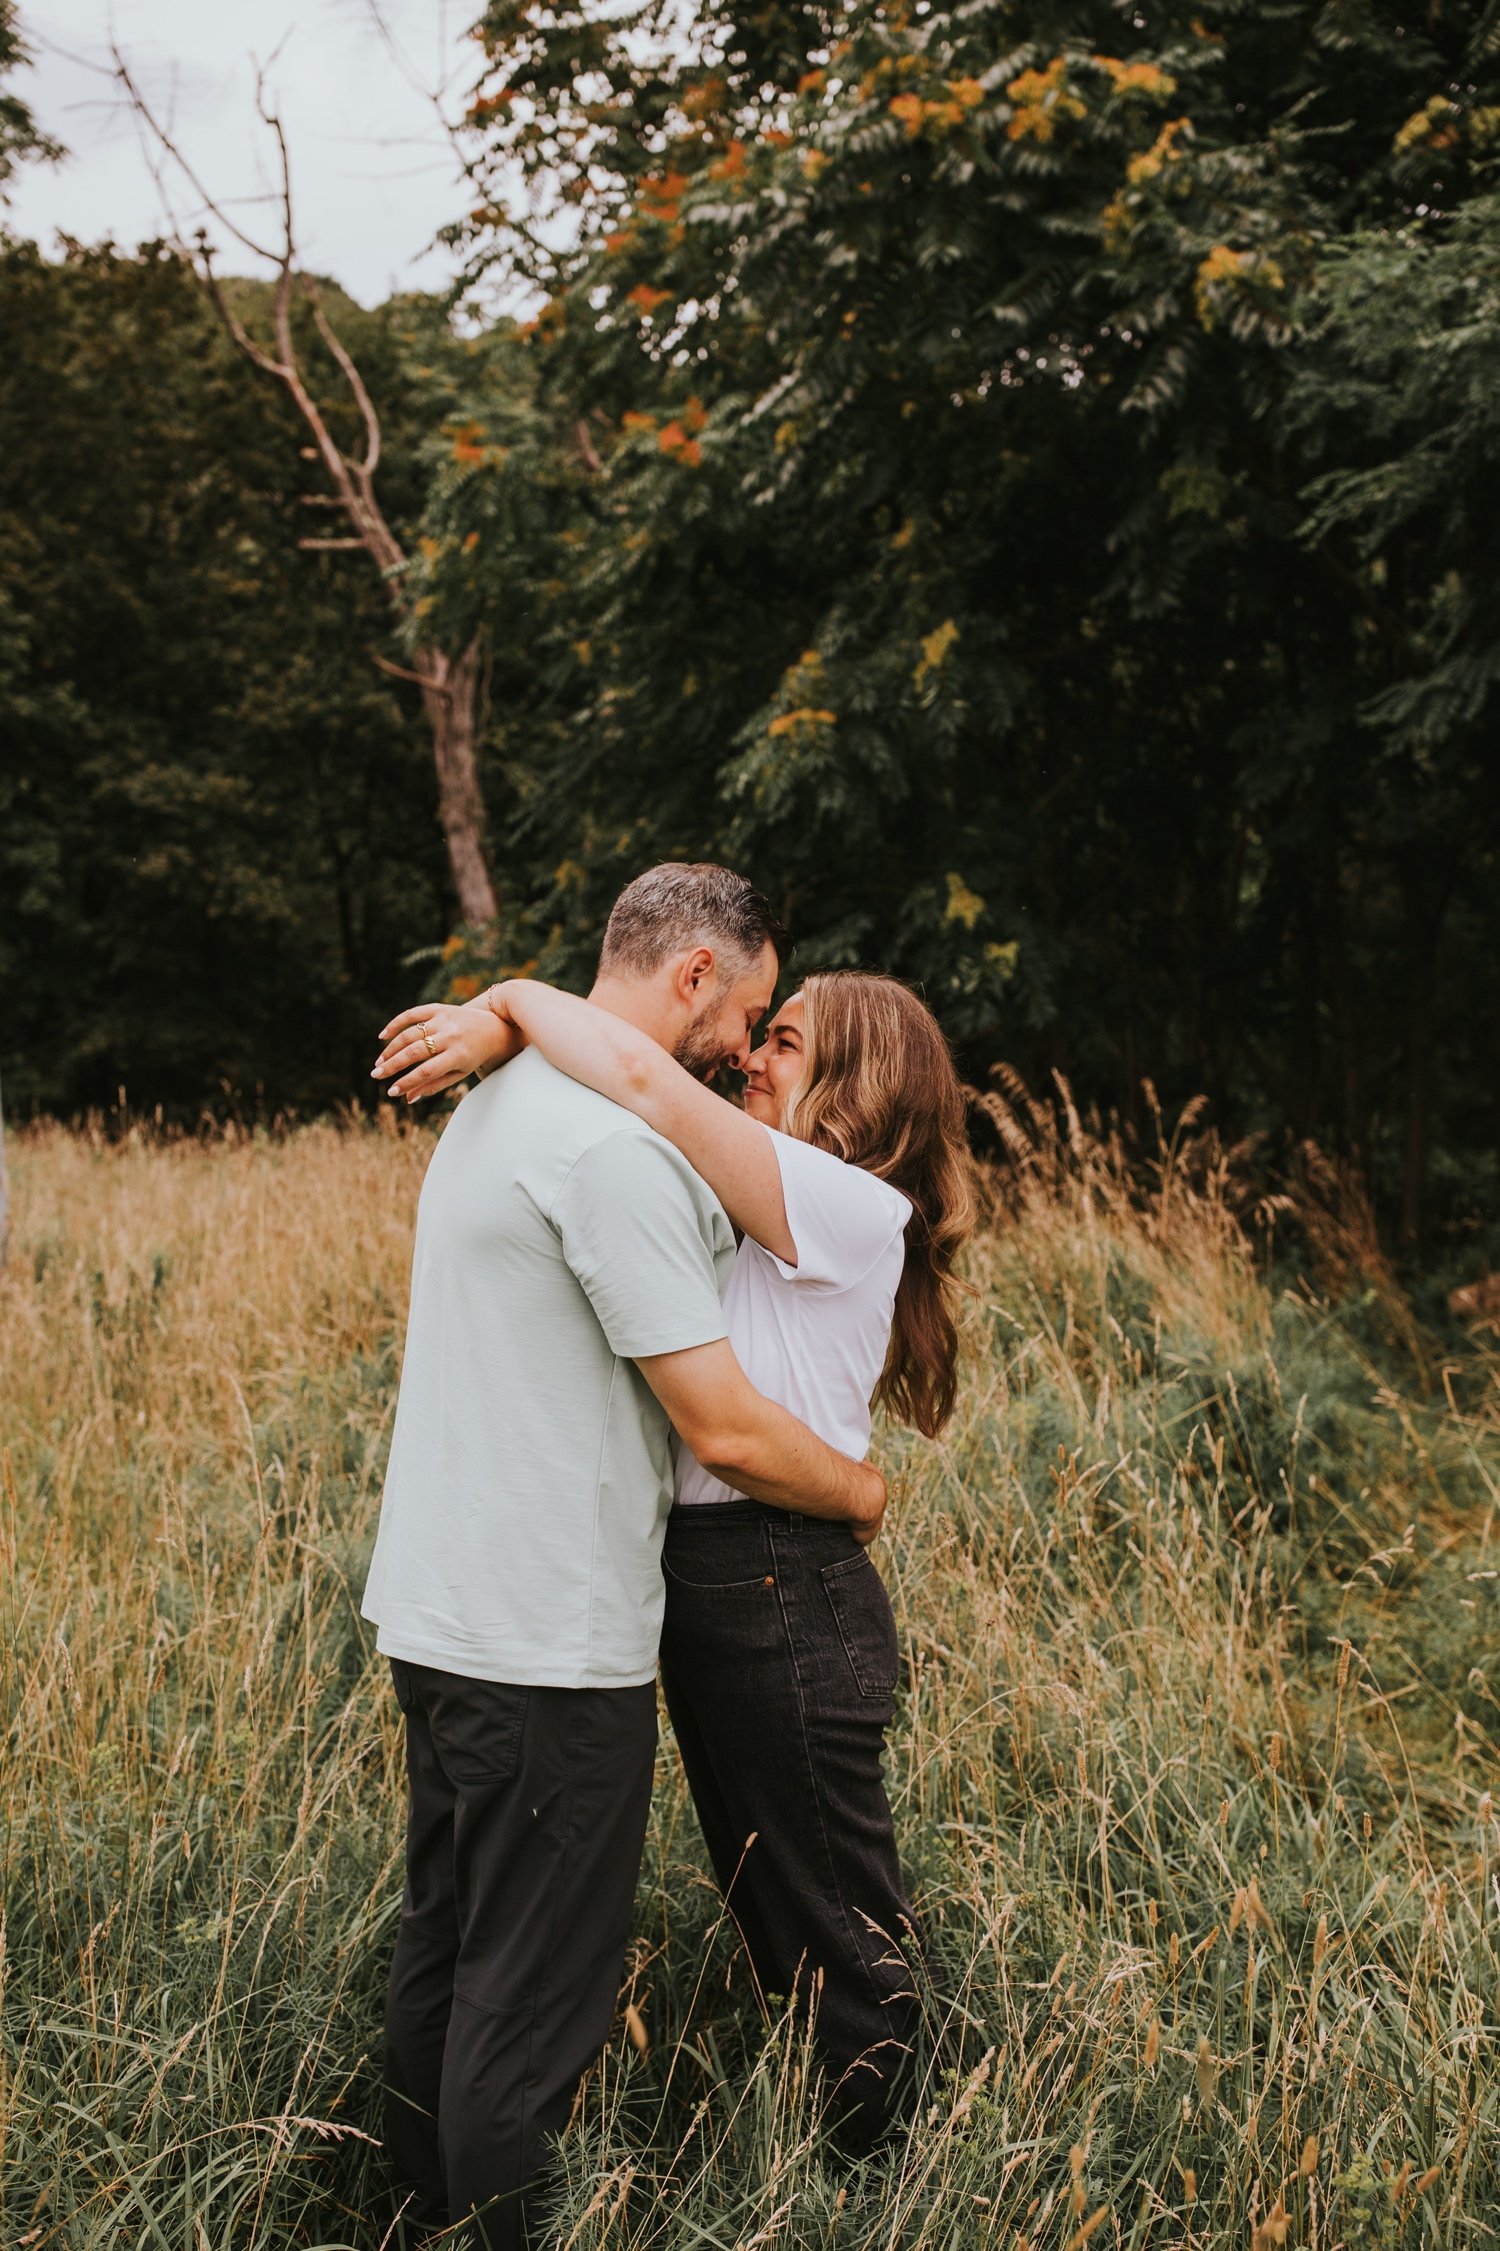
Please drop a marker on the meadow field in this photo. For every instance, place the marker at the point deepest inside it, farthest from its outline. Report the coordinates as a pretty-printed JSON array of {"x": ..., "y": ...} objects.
[{"x": 1194, "y": 1770}]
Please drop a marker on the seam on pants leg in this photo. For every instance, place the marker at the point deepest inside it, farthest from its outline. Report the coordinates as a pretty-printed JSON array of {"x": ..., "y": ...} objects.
[
  {"x": 812, "y": 1768},
  {"x": 557, "y": 1892}
]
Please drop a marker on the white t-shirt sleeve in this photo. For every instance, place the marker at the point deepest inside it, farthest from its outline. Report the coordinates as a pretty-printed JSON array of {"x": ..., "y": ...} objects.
[{"x": 840, "y": 1218}]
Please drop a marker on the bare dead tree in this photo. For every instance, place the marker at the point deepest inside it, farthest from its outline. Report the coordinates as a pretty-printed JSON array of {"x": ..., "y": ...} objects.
[{"x": 450, "y": 685}]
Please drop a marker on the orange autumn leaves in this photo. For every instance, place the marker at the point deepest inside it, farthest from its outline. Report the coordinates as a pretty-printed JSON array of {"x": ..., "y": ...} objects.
[
  {"x": 676, "y": 438},
  {"x": 922, "y": 114}
]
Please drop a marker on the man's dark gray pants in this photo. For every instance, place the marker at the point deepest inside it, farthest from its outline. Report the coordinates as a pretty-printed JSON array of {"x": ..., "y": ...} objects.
[{"x": 528, "y": 1813}]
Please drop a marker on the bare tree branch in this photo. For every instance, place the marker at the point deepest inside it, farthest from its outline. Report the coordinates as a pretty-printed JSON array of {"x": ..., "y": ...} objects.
[
  {"x": 400, "y": 672},
  {"x": 351, "y": 376},
  {"x": 450, "y": 685}
]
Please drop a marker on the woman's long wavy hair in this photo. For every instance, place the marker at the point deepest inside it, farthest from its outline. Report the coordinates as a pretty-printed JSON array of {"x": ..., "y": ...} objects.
[{"x": 879, "y": 1089}]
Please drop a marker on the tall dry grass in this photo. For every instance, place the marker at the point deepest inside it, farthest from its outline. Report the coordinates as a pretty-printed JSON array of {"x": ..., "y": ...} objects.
[{"x": 1193, "y": 1774}]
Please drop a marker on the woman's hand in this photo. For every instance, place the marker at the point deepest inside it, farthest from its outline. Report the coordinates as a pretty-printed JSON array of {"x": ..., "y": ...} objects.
[{"x": 434, "y": 1046}]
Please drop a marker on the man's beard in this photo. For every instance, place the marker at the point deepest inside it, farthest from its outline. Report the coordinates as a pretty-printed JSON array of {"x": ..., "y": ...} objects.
[{"x": 701, "y": 1049}]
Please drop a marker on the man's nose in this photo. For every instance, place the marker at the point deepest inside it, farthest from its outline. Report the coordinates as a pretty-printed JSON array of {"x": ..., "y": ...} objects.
[{"x": 738, "y": 1058}]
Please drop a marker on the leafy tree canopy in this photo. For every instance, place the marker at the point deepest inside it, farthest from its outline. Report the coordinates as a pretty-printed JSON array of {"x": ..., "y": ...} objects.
[{"x": 1025, "y": 489}]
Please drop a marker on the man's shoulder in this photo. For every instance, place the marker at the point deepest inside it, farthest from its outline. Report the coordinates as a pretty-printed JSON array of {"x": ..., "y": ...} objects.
[{"x": 537, "y": 1104}]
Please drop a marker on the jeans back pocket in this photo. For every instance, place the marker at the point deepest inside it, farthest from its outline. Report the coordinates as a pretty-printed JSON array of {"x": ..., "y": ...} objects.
[{"x": 862, "y": 1611}]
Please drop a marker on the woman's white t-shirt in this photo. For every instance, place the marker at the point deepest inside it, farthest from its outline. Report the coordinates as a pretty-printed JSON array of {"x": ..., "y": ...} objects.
[{"x": 814, "y": 1336}]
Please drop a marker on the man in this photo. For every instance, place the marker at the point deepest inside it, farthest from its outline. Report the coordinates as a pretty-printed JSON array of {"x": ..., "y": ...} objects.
[{"x": 564, "y": 1308}]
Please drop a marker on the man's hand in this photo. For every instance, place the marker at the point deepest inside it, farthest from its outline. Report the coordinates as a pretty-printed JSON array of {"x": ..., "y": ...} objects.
[
  {"x": 758, "y": 1447},
  {"x": 435, "y": 1046}
]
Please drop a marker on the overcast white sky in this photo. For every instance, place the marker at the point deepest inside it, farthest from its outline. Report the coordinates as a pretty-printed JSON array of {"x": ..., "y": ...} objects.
[{"x": 374, "y": 173}]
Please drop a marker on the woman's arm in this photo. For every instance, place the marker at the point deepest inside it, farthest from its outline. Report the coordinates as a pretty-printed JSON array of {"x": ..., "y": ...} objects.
[{"x": 731, "y": 1152}]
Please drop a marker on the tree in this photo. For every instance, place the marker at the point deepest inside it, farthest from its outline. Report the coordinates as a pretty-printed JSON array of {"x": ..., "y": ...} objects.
[
  {"x": 216, "y": 842},
  {"x": 20, "y": 137},
  {"x": 952, "y": 558},
  {"x": 450, "y": 681}
]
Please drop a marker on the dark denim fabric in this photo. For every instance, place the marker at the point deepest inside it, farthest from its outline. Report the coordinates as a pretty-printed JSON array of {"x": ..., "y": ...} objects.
[
  {"x": 528, "y": 1813},
  {"x": 779, "y": 1663}
]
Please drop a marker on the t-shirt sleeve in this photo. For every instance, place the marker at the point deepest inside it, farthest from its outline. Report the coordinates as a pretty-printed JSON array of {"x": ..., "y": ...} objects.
[
  {"x": 841, "y": 1219},
  {"x": 640, "y": 1229}
]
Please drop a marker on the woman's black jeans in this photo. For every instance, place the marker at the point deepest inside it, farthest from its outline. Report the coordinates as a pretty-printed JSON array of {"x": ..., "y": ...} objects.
[{"x": 779, "y": 1664}]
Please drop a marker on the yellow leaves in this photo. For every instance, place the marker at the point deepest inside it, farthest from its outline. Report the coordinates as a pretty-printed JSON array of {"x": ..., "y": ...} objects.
[
  {"x": 464, "y": 988},
  {"x": 470, "y": 542},
  {"x": 1163, "y": 151},
  {"x": 632, "y": 422},
  {"x": 694, "y": 415},
  {"x": 1307, "y": 2163},
  {"x": 1040, "y": 98},
  {"x": 936, "y": 115},
  {"x": 636, "y": 2028},
  {"x": 786, "y": 436},
  {"x": 1435, "y": 126},
  {"x": 646, "y": 299},
  {"x": 774, "y": 138},
  {"x": 935, "y": 647},
  {"x": 904, "y": 534},
  {"x": 429, "y": 549},
  {"x": 812, "y": 82},
  {"x": 1138, "y": 78},
  {"x": 619, "y": 239},
  {"x": 964, "y": 905},
  {"x": 452, "y": 947},
  {"x": 815, "y": 163},
  {"x": 468, "y": 443},
  {"x": 731, "y": 164},
  {"x": 1152, "y": 2048},
  {"x": 584, "y": 651},
  {"x": 796, "y": 722},
  {"x": 1223, "y": 268}
]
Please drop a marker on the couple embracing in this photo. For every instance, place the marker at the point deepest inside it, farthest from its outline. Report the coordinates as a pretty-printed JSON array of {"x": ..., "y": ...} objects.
[{"x": 621, "y": 1437}]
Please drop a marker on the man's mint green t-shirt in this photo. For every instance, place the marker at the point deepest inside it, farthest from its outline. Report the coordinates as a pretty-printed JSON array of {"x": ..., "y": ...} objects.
[{"x": 558, "y": 1241}]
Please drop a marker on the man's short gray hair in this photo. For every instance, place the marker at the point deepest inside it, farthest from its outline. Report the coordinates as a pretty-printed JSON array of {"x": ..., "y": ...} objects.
[{"x": 686, "y": 903}]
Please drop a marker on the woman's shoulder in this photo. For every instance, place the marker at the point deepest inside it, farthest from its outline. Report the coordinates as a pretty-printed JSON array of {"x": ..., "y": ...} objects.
[
  {"x": 822, "y": 1170},
  {"x": 841, "y": 1218}
]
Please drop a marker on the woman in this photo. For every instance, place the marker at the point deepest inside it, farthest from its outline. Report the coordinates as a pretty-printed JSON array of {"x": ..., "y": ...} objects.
[{"x": 847, "y": 1175}]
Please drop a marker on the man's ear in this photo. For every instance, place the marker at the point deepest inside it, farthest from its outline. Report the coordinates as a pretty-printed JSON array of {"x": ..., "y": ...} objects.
[{"x": 694, "y": 971}]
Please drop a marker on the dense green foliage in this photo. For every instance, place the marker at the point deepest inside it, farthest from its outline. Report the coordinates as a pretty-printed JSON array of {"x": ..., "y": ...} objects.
[
  {"x": 1019, "y": 479},
  {"x": 1194, "y": 1768},
  {"x": 217, "y": 821},
  {"x": 1042, "y": 524},
  {"x": 19, "y": 137}
]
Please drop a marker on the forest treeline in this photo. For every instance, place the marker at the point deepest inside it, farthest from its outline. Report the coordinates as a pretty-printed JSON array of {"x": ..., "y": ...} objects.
[{"x": 1021, "y": 480}]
